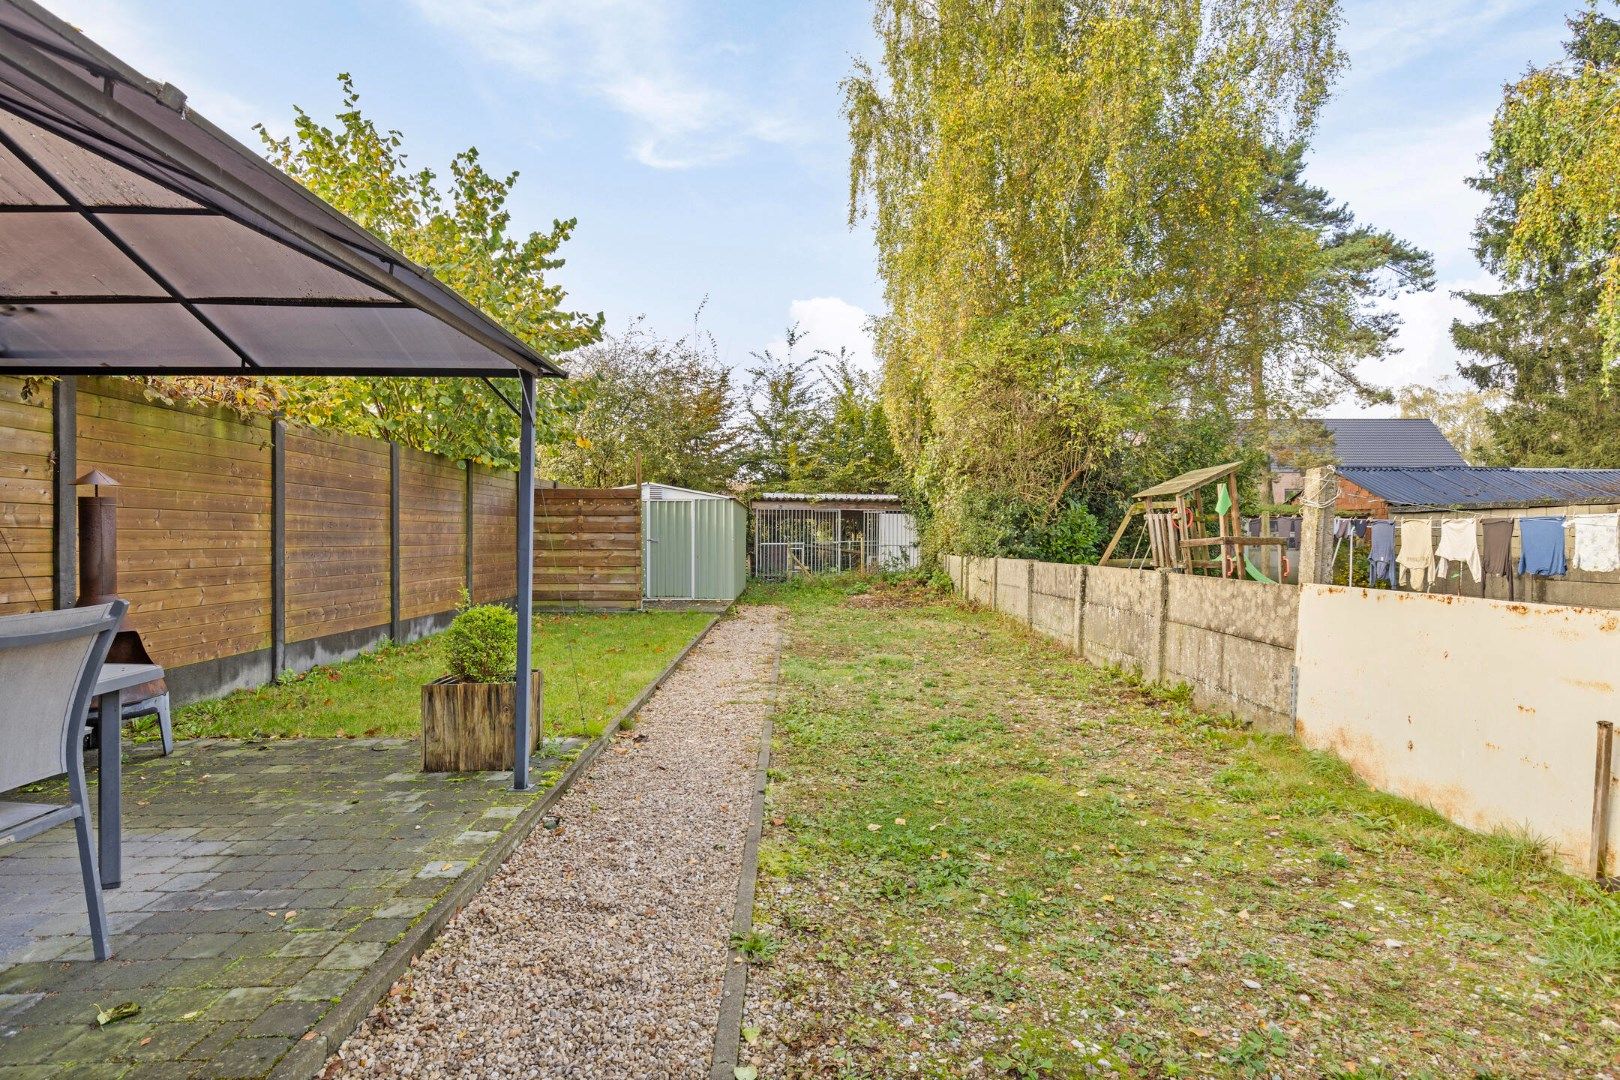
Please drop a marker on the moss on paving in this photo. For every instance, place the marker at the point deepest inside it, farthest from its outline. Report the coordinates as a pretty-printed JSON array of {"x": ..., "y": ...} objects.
[
  {"x": 983, "y": 857},
  {"x": 593, "y": 665}
]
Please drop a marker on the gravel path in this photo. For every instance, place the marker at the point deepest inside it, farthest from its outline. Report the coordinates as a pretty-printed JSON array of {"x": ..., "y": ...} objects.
[{"x": 598, "y": 949}]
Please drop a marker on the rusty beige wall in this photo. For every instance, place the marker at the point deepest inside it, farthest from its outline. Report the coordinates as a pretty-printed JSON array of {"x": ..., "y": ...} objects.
[
  {"x": 1485, "y": 710},
  {"x": 1231, "y": 641}
]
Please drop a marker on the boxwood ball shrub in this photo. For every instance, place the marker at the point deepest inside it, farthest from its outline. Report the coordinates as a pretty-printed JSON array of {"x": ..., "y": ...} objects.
[{"x": 481, "y": 644}]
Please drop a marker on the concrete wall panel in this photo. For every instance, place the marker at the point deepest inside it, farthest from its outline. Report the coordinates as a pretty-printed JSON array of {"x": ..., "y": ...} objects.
[{"x": 1012, "y": 588}]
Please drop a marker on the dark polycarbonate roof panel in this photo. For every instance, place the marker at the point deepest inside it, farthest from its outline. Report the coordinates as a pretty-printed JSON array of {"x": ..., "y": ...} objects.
[
  {"x": 1467, "y": 486},
  {"x": 137, "y": 238}
]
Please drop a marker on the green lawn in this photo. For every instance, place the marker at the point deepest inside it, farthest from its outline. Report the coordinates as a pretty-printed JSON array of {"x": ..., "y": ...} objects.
[
  {"x": 983, "y": 857},
  {"x": 593, "y": 665}
]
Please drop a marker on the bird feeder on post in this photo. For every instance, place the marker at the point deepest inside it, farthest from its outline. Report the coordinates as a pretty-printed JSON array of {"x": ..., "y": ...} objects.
[{"x": 98, "y": 540}]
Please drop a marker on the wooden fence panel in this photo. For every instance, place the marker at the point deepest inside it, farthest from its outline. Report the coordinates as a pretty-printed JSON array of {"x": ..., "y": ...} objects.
[
  {"x": 432, "y": 557},
  {"x": 338, "y": 558},
  {"x": 26, "y": 490},
  {"x": 494, "y": 535},
  {"x": 587, "y": 547},
  {"x": 193, "y": 519}
]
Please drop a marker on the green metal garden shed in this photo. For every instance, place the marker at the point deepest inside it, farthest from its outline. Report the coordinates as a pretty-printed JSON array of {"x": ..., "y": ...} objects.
[{"x": 696, "y": 543}]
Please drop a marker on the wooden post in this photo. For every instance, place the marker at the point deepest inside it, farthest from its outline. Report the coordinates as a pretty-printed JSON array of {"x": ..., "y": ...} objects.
[
  {"x": 1316, "y": 503},
  {"x": 395, "y": 629},
  {"x": 1600, "y": 799},
  {"x": 65, "y": 510},
  {"x": 278, "y": 549}
]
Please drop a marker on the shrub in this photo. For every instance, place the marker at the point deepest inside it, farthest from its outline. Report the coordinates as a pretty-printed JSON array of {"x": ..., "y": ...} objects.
[{"x": 481, "y": 644}]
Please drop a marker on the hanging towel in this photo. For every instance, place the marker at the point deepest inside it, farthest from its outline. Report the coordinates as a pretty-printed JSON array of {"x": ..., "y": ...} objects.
[
  {"x": 1499, "y": 550},
  {"x": 1416, "y": 559},
  {"x": 1597, "y": 542},
  {"x": 1541, "y": 546},
  {"x": 1359, "y": 527},
  {"x": 1382, "y": 532},
  {"x": 1459, "y": 543}
]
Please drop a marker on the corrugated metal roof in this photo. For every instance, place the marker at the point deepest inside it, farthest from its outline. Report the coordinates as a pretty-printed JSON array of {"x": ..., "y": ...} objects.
[
  {"x": 1467, "y": 486},
  {"x": 1377, "y": 441},
  {"x": 823, "y": 496}
]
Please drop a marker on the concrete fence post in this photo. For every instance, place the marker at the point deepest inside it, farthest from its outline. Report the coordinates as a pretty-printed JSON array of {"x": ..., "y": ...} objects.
[
  {"x": 995, "y": 584},
  {"x": 1079, "y": 629},
  {"x": 1316, "y": 503},
  {"x": 1157, "y": 671},
  {"x": 65, "y": 503},
  {"x": 1029, "y": 594}
]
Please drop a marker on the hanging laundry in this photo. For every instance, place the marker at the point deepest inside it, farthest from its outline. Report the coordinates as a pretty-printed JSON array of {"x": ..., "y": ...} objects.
[
  {"x": 1416, "y": 559},
  {"x": 1499, "y": 549},
  {"x": 1359, "y": 527},
  {"x": 1341, "y": 528},
  {"x": 1382, "y": 558},
  {"x": 1541, "y": 546},
  {"x": 1459, "y": 543},
  {"x": 1288, "y": 529},
  {"x": 1597, "y": 542}
]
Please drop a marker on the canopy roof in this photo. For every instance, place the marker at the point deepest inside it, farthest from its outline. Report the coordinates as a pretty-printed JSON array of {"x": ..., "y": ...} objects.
[
  {"x": 138, "y": 238},
  {"x": 1190, "y": 481}
]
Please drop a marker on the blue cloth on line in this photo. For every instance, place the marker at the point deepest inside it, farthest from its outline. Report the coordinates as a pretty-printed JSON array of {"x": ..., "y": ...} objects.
[
  {"x": 1382, "y": 532},
  {"x": 1541, "y": 546}
]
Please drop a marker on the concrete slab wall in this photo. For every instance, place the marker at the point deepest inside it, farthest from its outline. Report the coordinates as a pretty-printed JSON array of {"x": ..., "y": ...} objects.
[
  {"x": 1487, "y": 711},
  {"x": 980, "y": 574},
  {"x": 1123, "y": 619},
  {"x": 1054, "y": 602},
  {"x": 1233, "y": 642},
  {"x": 1012, "y": 588}
]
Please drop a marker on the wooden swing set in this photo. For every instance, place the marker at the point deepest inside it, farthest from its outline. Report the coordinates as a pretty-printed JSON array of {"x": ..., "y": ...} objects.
[{"x": 1175, "y": 522}]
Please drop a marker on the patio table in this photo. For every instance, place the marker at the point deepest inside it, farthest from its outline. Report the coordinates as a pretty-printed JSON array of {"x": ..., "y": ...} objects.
[{"x": 109, "y": 695}]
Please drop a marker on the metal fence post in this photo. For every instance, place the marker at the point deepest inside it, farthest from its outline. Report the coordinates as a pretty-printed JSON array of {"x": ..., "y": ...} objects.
[
  {"x": 395, "y": 630},
  {"x": 467, "y": 528},
  {"x": 64, "y": 510},
  {"x": 278, "y": 549}
]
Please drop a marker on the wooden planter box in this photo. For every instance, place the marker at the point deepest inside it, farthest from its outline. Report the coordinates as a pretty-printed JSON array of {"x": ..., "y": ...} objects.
[{"x": 467, "y": 726}]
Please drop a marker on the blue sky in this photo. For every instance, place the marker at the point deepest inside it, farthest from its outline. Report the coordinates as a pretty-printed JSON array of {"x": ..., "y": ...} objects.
[{"x": 699, "y": 143}]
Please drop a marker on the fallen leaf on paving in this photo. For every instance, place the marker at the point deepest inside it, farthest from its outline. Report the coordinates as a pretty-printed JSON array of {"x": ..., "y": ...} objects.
[{"x": 122, "y": 1011}]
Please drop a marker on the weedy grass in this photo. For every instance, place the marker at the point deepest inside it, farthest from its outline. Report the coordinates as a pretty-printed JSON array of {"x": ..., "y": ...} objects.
[
  {"x": 592, "y": 666},
  {"x": 984, "y": 856}
]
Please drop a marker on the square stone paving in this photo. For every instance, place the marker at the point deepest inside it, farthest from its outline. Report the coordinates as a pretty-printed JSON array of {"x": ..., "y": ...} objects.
[{"x": 261, "y": 881}]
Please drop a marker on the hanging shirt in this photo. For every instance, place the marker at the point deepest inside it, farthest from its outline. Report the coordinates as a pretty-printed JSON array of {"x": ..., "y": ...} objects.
[
  {"x": 1416, "y": 559},
  {"x": 1597, "y": 542},
  {"x": 1359, "y": 527},
  {"x": 1459, "y": 543},
  {"x": 1541, "y": 546},
  {"x": 1499, "y": 546},
  {"x": 1382, "y": 558}
]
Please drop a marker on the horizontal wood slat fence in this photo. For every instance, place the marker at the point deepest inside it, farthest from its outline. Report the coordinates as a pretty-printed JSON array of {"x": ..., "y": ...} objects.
[{"x": 247, "y": 546}]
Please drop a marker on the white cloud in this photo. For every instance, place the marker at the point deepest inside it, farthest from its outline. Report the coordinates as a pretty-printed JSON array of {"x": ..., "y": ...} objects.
[
  {"x": 1427, "y": 356},
  {"x": 634, "y": 55},
  {"x": 830, "y": 323},
  {"x": 1382, "y": 35},
  {"x": 127, "y": 34}
]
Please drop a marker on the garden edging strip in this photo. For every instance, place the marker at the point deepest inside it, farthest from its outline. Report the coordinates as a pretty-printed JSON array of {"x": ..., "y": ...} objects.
[{"x": 733, "y": 992}]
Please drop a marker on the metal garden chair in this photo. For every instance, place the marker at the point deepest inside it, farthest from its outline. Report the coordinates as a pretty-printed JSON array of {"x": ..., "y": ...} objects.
[{"x": 49, "y": 662}]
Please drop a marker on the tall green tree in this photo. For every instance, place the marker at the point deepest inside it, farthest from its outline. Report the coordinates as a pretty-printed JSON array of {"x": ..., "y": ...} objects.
[
  {"x": 1545, "y": 339},
  {"x": 462, "y": 233},
  {"x": 1098, "y": 255},
  {"x": 663, "y": 408},
  {"x": 782, "y": 411},
  {"x": 851, "y": 448}
]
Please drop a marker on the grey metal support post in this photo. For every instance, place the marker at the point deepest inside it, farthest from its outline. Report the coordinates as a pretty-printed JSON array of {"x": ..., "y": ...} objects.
[
  {"x": 395, "y": 631},
  {"x": 65, "y": 511},
  {"x": 525, "y": 590},
  {"x": 278, "y": 549}
]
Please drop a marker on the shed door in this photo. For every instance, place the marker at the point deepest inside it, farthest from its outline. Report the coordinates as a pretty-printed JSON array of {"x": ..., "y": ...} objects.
[{"x": 668, "y": 538}]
